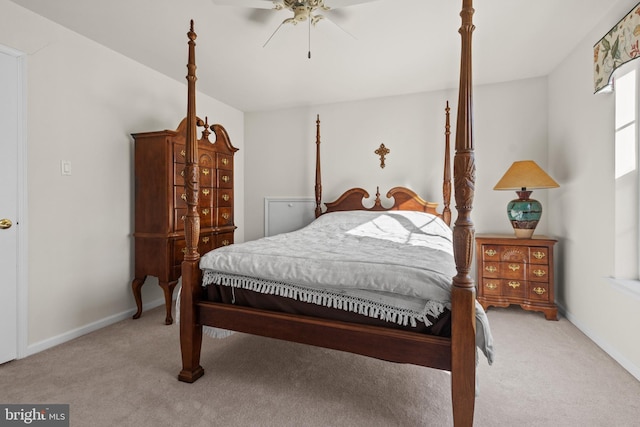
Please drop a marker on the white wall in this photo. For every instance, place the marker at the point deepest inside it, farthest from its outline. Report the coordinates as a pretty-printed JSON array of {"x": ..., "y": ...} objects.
[
  {"x": 581, "y": 157},
  {"x": 83, "y": 103},
  {"x": 510, "y": 124}
]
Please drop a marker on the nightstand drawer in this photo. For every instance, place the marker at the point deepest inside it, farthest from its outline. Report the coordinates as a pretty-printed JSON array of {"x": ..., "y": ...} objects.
[
  {"x": 512, "y": 270},
  {"x": 505, "y": 288},
  {"x": 490, "y": 253},
  {"x": 539, "y": 292},
  {"x": 490, "y": 286},
  {"x": 514, "y": 288},
  {"x": 512, "y": 253},
  {"x": 504, "y": 270},
  {"x": 539, "y": 255},
  {"x": 538, "y": 272},
  {"x": 491, "y": 269}
]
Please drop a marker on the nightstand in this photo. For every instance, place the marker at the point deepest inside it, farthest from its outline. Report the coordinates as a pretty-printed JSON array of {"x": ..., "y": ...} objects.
[{"x": 516, "y": 271}]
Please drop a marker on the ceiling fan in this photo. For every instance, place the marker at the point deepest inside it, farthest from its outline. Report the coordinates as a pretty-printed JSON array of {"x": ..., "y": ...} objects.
[{"x": 303, "y": 10}]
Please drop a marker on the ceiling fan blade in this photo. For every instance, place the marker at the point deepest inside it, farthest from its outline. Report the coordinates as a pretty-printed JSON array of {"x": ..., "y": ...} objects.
[
  {"x": 334, "y": 4},
  {"x": 274, "y": 33},
  {"x": 256, "y": 4},
  {"x": 339, "y": 16},
  {"x": 327, "y": 18},
  {"x": 260, "y": 16}
]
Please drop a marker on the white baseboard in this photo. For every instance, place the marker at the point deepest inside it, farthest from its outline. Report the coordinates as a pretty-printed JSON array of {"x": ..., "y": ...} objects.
[
  {"x": 603, "y": 344},
  {"x": 83, "y": 330},
  {"x": 75, "y": 333}
]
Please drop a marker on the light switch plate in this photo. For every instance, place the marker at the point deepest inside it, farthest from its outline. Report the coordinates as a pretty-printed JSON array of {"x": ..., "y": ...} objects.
[{"x": 65, "y": 167}]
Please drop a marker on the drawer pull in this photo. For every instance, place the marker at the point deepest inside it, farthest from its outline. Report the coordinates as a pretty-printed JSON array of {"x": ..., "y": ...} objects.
[
  {"x": 514, "y": 267},
  {"x": 184, "y": 251},
  {"x": 205, "y": 211},
  {"x": 183, "y": 153},
  {"x": 182, "y": 173},
  {"x": 205, "y": 239},
  {"x": 225, "y": 197},
  {"x": 183, "y": 197},
  {"x": 538, "y": 255},
  {"x": 225, "y": 161},
  {"x": 514, "y": 285},
  {"x": 491, "y": 268},
  {"x": 225, "y": 242},
  {"x": 539, "y": 273},
  {"x": 183, "y": 217},
  {"x": 539, "y": 290},
  {"x": 226, "y": 178},
  {"x": 206, "y": 191},
  {"x": 491, "y": 285},
  {"x": 205, "y": 171},
  {"x": 490, "y": 252},
  {"x": 225, "y": 216}
]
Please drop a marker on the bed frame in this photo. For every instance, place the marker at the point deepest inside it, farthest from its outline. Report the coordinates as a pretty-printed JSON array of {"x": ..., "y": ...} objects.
[{"x": 456, "y": 354}]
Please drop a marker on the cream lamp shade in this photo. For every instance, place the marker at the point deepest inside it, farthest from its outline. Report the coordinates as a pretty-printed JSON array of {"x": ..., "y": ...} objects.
[{"x": 524, "y": 213}]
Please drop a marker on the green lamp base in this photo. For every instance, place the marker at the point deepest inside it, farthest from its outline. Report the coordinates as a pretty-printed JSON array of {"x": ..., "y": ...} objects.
[{"x": 524, "y": 214}]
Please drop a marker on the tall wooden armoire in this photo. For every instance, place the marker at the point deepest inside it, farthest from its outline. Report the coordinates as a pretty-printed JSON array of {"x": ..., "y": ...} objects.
[{"x": 160, "y": 203}]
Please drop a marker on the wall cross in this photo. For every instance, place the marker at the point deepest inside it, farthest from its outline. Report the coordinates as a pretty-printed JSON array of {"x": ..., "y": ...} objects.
[{"x": 382, "y": 152}]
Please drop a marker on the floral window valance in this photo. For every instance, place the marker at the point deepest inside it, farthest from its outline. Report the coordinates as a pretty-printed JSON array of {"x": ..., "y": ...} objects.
[{"x": 618, "y": 46}]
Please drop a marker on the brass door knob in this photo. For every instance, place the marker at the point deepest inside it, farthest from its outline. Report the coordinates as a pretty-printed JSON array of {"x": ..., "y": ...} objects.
[{"x": 5, "y": 223}]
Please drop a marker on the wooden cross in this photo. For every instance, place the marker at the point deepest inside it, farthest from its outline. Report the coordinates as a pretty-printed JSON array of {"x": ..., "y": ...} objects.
[{"x": 382, "y": 152}]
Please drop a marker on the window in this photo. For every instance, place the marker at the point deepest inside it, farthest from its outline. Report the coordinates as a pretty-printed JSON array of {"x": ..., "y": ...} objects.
[
  {"x": 625, "y": 122},
  {"x": 627, "y": 185}
]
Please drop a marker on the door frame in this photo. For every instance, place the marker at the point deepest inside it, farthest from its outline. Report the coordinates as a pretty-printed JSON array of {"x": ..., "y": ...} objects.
[{"x": 22, "y": 294}]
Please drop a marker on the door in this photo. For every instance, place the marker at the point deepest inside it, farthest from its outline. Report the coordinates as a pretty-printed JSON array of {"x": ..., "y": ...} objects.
[{"x": 9, "y": 83}]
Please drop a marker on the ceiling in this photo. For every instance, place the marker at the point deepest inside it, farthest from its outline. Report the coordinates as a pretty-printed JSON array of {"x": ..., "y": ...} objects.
[{"x": 382, "y": 48}]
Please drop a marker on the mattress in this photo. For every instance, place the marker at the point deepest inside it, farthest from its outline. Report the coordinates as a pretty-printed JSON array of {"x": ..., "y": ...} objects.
[{"x": 391, "y": 268}]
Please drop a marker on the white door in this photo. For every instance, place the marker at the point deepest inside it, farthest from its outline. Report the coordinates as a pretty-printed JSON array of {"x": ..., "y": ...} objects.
[{"x": 8, "y": 206}]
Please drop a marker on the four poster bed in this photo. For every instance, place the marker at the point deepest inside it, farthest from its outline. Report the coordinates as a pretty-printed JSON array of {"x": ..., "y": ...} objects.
[{"x": 433, "y": 328}]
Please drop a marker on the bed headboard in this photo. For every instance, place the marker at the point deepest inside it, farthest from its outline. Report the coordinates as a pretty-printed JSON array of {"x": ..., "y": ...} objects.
[{"x": 402, "y": 197}]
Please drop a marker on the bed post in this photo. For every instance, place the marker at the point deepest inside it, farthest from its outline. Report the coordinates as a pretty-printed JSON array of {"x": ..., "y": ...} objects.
[
  {"x": 190, "y": 329},
  {"x": 318, "y": 186},
  {"x": 446, "y": 186},
  {"x": 463, "y": 291}
]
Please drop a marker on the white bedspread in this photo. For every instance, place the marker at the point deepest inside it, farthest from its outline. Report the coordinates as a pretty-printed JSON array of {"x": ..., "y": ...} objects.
[{"x": 393, "y": 265}]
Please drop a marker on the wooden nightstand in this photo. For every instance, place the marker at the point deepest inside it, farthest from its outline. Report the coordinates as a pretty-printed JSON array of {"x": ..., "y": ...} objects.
[{"x": 516, "y": 271}]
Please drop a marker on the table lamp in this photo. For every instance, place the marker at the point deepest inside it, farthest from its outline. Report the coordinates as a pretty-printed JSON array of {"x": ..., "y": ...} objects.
[{"x": 523, "y": 212}]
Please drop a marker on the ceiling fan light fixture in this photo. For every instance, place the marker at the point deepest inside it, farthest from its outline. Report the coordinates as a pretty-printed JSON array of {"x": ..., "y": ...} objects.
[
  {"x": 303, "y": 10},
  {"x": 301, "y": 13},
  {"x": 316, "y": 18}
]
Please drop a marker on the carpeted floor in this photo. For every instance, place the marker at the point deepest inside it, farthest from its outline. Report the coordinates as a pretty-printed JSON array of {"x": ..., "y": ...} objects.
[{"x": 545, "y": 374}]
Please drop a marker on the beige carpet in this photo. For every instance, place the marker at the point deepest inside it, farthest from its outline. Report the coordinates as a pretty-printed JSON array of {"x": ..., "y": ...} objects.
[{"x": 545, "y": 374}]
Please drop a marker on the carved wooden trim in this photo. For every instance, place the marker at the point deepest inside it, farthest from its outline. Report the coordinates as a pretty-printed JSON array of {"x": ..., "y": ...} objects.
[
  {"x": 463, "y": 295},
  {"x": 403, "y": 199},
  {"x": 190, "y": 329},
  {"x": 192, "y": 220},
  {"x": 446, "y": 185},
  {"x": 318, "y": 187},
  {"x": 464, "y": 161}
]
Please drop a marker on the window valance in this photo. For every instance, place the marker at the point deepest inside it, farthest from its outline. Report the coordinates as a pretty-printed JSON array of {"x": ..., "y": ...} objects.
[{"x": 619, "y": 46}]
